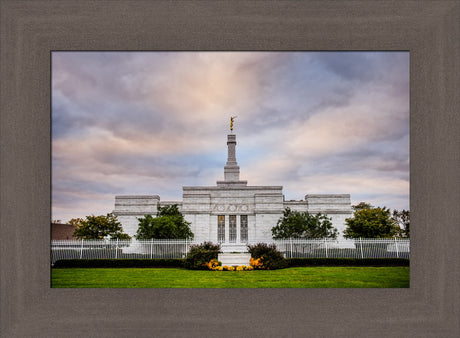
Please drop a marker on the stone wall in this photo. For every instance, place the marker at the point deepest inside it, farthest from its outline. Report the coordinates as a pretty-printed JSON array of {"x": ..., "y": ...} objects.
[
  {"x": 136, "y": 205},
  {"x": 129, "y": 208}
]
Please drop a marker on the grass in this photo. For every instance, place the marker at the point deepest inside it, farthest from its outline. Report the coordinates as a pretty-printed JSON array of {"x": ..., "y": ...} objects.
[{"x": 301, "y": 277}]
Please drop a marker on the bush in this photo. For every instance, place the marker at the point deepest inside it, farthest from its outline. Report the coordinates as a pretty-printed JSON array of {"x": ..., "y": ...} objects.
[
  {"x": 119, "y": 263},
  {"x": 292, "y": 262},
  {"x": 200, "y": 255},
  {"x": 268, "y": 255}
]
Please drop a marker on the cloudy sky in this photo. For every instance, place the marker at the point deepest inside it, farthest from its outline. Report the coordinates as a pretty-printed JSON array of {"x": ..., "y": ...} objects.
[{"x": 128, "y": 123}]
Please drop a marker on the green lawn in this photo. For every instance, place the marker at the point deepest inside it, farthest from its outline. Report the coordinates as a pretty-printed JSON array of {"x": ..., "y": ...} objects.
[{"x": 302, "y": 277}]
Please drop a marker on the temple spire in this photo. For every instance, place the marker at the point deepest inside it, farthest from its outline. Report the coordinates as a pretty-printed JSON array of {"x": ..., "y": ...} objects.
[{"x": 231, "y": 169}]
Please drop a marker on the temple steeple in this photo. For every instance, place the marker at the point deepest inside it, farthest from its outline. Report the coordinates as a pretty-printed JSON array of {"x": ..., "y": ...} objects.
[{"x": 231, "y": 169}]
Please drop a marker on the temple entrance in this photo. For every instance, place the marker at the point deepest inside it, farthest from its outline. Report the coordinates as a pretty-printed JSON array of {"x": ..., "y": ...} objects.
[{"x": 232, "y": 229}]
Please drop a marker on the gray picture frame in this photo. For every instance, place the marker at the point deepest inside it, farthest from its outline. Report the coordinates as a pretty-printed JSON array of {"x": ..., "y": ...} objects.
[{"x": 30, "y": 30}]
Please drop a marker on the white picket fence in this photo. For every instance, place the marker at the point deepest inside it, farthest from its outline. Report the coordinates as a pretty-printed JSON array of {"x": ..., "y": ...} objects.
[
  {"x": 290, "y": 248},
  {"x": 357, "y": 248},
  {"x": 117, "y": 249}
]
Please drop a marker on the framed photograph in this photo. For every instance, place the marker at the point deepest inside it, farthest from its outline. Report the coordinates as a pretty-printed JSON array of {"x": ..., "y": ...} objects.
[
  {"x": 32, "y": 31},
  {"x": 315, "y": 149}
]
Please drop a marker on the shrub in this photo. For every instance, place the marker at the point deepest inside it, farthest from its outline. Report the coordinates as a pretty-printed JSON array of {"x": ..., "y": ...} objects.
[
  {"x": 267, "y": 256},
  {"x": 200, "y": 255}
]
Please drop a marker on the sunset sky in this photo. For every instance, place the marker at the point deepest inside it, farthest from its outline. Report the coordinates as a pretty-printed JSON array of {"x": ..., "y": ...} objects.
[{"x": 148, "y": 123}]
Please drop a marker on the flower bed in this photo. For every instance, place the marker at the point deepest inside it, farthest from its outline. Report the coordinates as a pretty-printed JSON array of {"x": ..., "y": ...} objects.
[
  {"x": 254, "y": 264},
  {"x": 215, "y": 265}
]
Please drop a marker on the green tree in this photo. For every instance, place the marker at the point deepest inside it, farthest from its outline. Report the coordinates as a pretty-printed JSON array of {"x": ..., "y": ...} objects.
[
  {"x": 402, "y": 218},
  {"x": 169, "y": 224},
  {"x": 76, "y": 222},
  {"x": 295, "y": 224},
  {"x": 361, "y": 206},
  {"x": 370, "y": 222},
  {"x": 99, "y": 227}
]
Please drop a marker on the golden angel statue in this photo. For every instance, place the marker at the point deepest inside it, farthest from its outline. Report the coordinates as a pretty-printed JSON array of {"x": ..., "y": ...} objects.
[{"x": 231, "y": 122}]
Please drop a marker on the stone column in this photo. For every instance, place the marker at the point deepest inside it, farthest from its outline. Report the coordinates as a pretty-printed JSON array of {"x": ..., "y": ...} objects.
[
  {"x": 227, "y": 229},
  {"x": 238, "y": 229}
]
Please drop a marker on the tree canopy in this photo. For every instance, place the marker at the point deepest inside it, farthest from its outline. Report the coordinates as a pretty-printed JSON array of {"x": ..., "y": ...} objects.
[
  {"x": 370, "y": 222},
  {"x": 295, "y": 224},
  {"x": 99, "y": 227},
  {"x": 169, "y": 224},
  {"x": 402, "y": 218},
  {"x": 76, "y": 222},
  {"x": 361, "y": 206}
]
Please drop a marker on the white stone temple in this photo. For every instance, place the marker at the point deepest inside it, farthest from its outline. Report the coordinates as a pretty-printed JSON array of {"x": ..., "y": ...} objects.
[{"x": 233, "y": 212}]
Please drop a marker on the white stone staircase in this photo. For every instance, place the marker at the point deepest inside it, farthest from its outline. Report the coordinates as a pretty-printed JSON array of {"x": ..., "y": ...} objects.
[{"x": 234, "y": 258}]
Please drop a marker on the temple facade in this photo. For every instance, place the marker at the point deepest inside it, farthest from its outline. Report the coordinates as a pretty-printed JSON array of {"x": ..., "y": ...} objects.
[{"x": 232, "y": 212}]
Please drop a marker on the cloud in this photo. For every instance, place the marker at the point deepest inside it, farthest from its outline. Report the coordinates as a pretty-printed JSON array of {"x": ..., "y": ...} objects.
[{"x": 151, "y": 122}]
